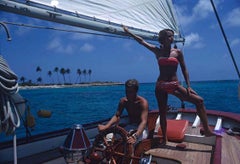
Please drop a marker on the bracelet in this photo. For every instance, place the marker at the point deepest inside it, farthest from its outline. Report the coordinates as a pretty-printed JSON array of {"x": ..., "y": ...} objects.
[{"x": 135, "y": 136}]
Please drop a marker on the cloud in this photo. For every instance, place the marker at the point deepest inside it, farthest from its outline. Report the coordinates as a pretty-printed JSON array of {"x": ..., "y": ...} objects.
[
  {"x": 193, "y": 37},
  {"x": 202, "y": 9},
  {"x": 55, "y": 43},
  {"x": 87, "y": 47},
  {"x": 60, "y": 45},
  {"x": 193, "y": 40},
  {"x": 232, "y": 19},
  {"x": 184, "y": 18},
  {"x": 235, "y": 42},
  {"x": 190, "y": 17},
  {"x": 57, "y": 46}
]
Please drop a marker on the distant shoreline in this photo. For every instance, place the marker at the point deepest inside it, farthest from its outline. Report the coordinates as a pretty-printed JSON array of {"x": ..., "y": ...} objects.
[
  {"x": 107, "y": 83},
  {"x": 71, "y": 85}
]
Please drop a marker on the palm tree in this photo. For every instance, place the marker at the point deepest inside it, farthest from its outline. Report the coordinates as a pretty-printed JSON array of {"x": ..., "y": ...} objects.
[
  {"x": 63, "y": 71},
  {"x": 85, "y": 73},
  {"x": 68, "y": 71},
  {"x": 56, "y": 70},
  {"x": 29, "y": 82},
  {"x": 22, "y": 79},
  {"x": 39, "y": 80},
  {"x": 79, "y": 72},
  {"x": 38, "y": 69},
  {"x": 50, "y": 75},
  {"x": 89, "y": 74}
]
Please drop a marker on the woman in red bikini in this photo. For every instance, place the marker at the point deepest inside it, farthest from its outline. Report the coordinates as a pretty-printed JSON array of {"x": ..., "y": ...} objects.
[{"x": 167, "y": 83}]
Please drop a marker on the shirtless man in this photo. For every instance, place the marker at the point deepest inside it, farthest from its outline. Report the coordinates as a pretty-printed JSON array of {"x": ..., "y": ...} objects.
[{"x": 137, "y": 109}]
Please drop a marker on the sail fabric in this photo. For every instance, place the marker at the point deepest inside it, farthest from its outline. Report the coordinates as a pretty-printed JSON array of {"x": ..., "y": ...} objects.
[{"x": 150, "y": 15}]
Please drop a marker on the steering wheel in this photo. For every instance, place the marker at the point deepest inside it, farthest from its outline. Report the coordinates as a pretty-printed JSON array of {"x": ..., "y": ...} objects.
[{"x": 110, "y": 146}]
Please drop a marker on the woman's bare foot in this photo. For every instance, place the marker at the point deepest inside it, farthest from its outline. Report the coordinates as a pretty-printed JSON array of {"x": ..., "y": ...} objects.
[
  {"x": 160, "y": 144},
  {"x": 209, "y": 133}
]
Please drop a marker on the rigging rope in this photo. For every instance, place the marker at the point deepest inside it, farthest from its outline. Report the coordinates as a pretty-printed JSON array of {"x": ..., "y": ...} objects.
[
  {"x": 228, "y": 46},
  {"x": 225, "y": 37},
  {"x": 63, "y": 30}
]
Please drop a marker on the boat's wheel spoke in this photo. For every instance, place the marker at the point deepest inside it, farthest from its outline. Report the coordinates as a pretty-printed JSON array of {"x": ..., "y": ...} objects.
[{"x": 114, "y": 150}]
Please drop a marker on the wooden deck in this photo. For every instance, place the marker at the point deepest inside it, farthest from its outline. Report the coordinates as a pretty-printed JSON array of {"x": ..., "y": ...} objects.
[
  {"x": 196, "y": 153},
  {"x": 230, "y": 149},
  {"x": 193, "y": 153}
]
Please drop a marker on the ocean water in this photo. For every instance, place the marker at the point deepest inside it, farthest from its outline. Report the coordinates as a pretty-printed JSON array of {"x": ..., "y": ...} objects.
[{"x": 89, "y": 104}]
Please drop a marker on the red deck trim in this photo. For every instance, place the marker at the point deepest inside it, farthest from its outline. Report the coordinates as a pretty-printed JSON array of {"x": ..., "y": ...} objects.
[{"x": 218, "y": 151}]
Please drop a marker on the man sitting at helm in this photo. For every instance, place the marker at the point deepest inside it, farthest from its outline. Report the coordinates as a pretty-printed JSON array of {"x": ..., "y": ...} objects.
[{"x": 137, "y": 109}]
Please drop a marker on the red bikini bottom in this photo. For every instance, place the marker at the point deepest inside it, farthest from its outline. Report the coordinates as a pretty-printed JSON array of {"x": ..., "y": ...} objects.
[{"x": 168, "y": 86}]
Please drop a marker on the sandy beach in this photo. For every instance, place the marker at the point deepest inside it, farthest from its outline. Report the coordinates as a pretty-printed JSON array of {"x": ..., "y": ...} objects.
[{"x": 71, "y": 85}]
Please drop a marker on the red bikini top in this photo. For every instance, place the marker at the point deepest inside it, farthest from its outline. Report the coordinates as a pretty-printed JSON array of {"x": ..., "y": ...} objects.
[{"x": 168, "y": 61}]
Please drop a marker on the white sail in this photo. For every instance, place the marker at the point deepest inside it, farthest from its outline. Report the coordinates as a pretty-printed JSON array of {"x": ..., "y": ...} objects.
[{"x": 146, "y": 17}]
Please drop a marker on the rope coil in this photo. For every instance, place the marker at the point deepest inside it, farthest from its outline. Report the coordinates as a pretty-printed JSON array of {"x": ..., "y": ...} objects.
[{"x": 9, "y": 115}]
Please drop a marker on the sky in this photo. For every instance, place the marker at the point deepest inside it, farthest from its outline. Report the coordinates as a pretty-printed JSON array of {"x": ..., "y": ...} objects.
[{"x": 116, "y": 59}]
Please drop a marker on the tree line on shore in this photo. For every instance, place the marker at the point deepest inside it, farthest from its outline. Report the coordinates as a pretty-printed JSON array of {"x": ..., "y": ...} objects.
[{"x": 62, "y": 71}]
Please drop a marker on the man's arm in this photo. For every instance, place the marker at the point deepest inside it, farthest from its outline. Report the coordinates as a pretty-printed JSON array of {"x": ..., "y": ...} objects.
[{"x": 115, "y": 118}]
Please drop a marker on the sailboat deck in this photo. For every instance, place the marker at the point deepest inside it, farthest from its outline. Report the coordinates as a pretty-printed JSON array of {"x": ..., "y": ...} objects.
[
  {"x": 194, "y": 153},
  {"x": 229, "y": 147},
  {"x": 198, "y": 153}
]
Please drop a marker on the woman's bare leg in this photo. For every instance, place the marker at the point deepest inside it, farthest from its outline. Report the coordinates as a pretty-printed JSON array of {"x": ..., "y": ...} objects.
[
  {"x": 162, "y": 106},
  {"x": 201, "y": 111},
  {"x": 198, "y": 101}
]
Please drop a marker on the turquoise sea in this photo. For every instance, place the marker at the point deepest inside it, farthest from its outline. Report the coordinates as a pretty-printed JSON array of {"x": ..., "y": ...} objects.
[{"x": 89, "y": 104}]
